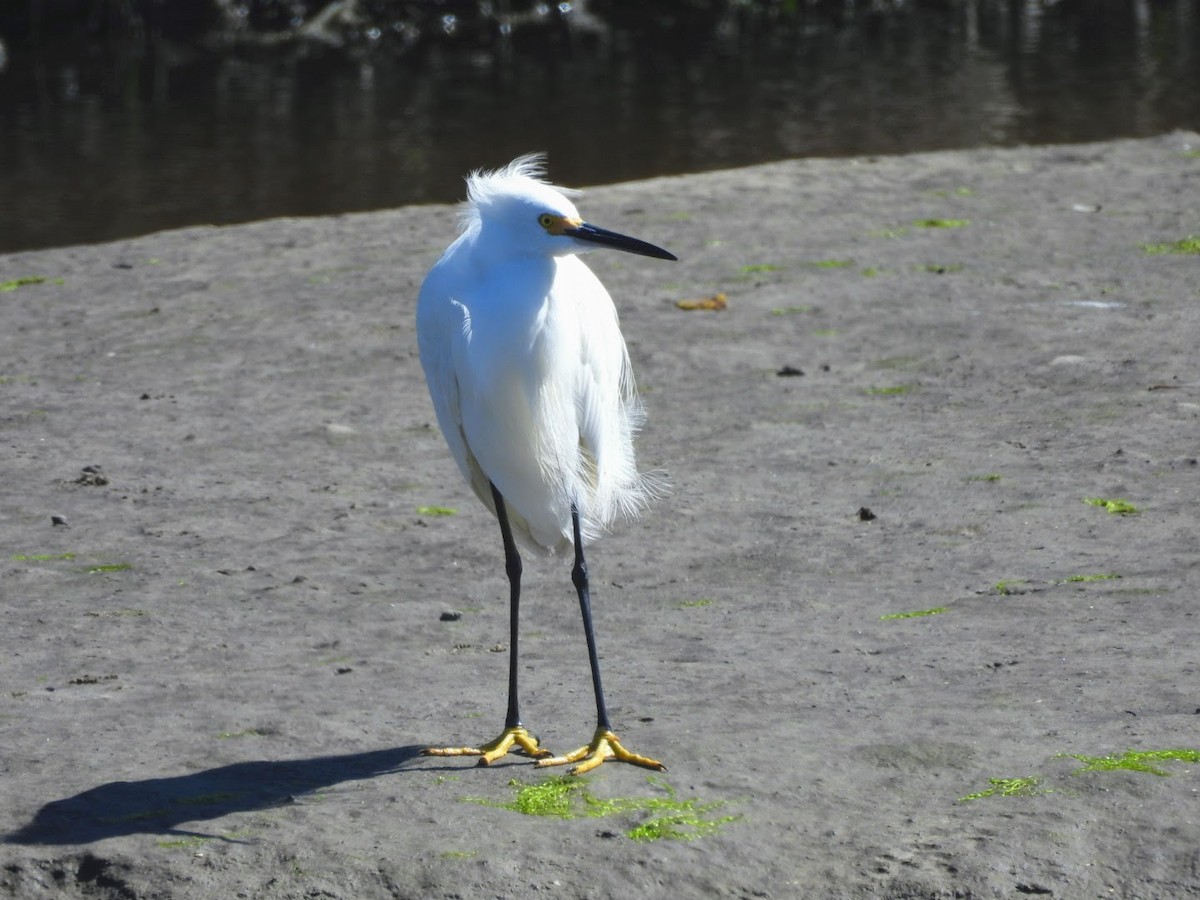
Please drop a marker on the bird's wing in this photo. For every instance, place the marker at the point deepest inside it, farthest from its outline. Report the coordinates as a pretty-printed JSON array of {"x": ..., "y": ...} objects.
[
  {"x": 608, "y": 408},
  {"x": 460, "y": 336},
  {"x": 443, "y": 328}
]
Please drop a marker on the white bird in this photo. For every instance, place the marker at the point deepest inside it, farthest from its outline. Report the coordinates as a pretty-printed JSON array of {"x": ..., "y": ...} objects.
[{"x": 534, "y": 392}]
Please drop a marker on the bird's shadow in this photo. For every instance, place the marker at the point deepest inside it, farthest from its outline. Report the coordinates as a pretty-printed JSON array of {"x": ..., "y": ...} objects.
[{"x": 161, "y": 805}]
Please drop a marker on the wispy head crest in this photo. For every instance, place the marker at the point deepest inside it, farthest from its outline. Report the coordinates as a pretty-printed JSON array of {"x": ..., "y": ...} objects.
[
  {"x": 485, "y": 185},
  {"x": 528, "y": 165}
]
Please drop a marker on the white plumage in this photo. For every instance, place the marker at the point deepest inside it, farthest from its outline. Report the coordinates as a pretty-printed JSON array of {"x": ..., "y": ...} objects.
[
  {"x": 533, "y": 390},
  {"x": 525, "y": 362}
]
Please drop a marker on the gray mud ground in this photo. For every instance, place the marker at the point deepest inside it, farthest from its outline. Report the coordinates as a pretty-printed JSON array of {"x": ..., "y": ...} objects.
[{"x": 216, "y": 677}]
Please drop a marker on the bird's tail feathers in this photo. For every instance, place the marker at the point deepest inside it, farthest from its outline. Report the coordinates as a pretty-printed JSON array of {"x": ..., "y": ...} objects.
[{"x": 624, "y": 500}]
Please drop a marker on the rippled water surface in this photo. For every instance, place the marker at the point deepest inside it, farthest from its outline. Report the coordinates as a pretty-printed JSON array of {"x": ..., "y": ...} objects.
[{"x": 100, "y": 140}]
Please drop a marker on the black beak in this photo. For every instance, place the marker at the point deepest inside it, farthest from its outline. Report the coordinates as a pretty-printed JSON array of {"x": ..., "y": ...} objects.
[{"x": 604, "y": 238}]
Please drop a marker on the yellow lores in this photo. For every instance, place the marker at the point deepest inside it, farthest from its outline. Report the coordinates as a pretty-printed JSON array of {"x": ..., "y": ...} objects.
[{"x": 534, "y": 393}]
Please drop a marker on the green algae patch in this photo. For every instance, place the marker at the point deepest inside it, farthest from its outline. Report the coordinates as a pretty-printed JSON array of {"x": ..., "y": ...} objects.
[
  {"x": 895, "y": 390},
  {"x": 991, "y": 476},
  {"x": 1008, "y": 586},
  {"x": 559, "y": 796},
  {"x": 1133, "y": 761},
  {"x": 1188, "y": 246},
  {"x": 1114, "y": 506},
  {"x": 191, "y": 841},
  {"x": 831, "y": 263},
  {"x": 941, "y": 223},
  {"x": 1146, "y": 761},
  {"x": 458, "y": 854},
  {"x": 1078, "y": 579},
  {"x": 436, "y": 511},
  {"x": 759, "y": 269},
  {"x": 893, "y": 363},
  {"x": 41, "y": 557},
  {"x": 667, "y": 817},
  {"x": 110, "y": 567},
  {"x": 245, "y": 732},
  {"x": 1029, "y": 786},
  {"x": 915, "y": 614},
  {"x": 184, "y": 843},
  {"x": 694, "y": 604},
  {"x": 13, "y": 284}
]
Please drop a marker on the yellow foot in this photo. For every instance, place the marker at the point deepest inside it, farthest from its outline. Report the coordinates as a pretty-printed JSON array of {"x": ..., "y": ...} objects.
[
  {"x": 604, "y": 745},
  {"x": 488, "y": 753}
]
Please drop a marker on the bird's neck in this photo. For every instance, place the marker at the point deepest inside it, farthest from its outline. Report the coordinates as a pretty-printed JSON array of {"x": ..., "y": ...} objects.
[{"x": 498, "y": 264}]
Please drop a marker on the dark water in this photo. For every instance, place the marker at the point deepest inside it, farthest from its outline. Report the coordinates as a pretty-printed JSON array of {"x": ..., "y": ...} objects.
[{"x": 104, "y": 140}]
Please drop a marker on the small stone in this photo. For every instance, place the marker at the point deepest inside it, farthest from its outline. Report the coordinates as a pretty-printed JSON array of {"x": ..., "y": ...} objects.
[
  {"x": 865, "y": 515},
  {"x": 450, "y": 615},
  {"x": 92, "y": 476},
  {"x": 59, "y": 520}
]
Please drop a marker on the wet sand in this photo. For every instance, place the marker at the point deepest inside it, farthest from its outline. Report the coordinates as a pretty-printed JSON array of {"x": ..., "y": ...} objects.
[{"x": 219, "y": 669}]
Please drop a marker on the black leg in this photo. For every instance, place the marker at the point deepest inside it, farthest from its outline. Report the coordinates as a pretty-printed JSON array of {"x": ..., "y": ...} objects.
[
  {"x": 579, "y": 577},
  {"x": 515, "y": 736},
  {"x": 512, "y": 566},
  {"x": 604, "y": 744}
]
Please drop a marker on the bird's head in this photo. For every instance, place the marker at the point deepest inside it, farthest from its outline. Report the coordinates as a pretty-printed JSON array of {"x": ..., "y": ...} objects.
[{"x": 516, "y": 211}]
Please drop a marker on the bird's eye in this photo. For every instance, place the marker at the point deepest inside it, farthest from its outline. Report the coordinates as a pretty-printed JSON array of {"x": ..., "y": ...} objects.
[{"x": 546, "y": 220}]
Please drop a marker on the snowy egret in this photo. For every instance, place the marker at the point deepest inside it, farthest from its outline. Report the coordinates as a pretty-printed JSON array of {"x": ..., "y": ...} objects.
[{"x": 534, "y": 393}]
